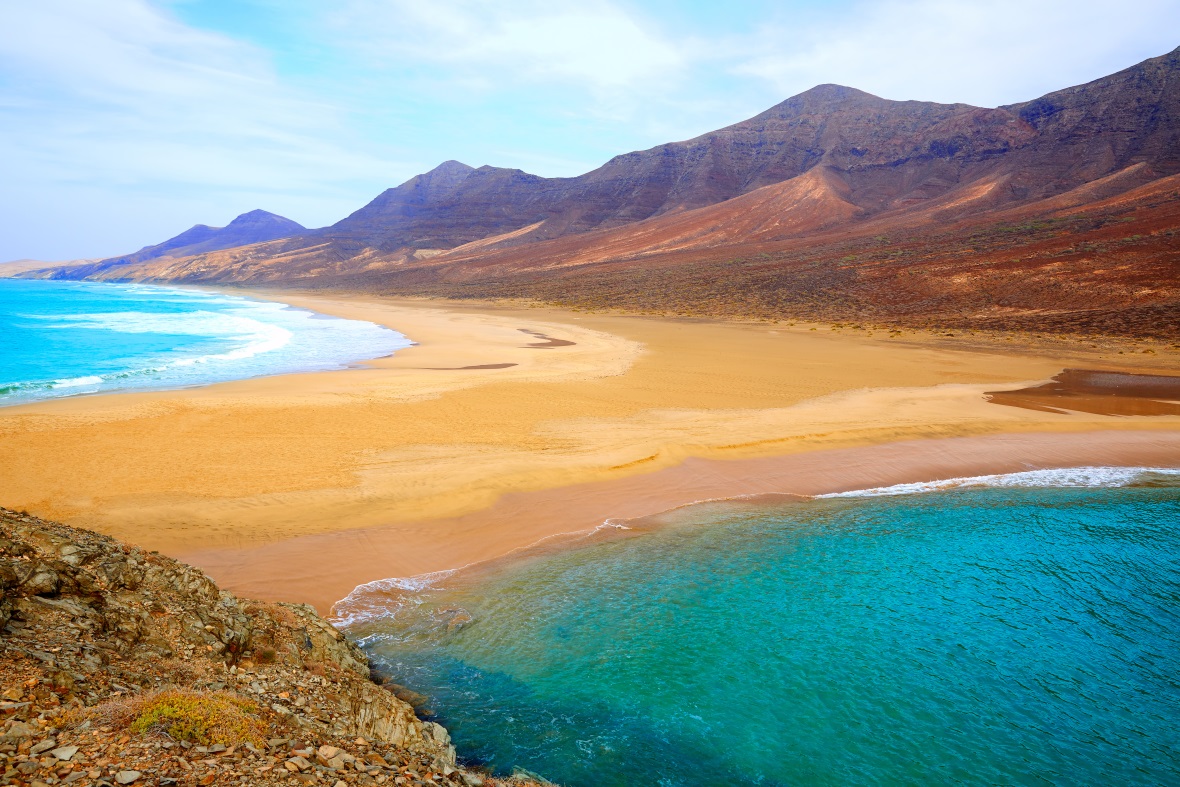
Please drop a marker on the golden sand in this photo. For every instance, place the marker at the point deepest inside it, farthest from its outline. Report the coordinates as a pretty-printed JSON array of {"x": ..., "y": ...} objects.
[{"x": 417, "y": 445}]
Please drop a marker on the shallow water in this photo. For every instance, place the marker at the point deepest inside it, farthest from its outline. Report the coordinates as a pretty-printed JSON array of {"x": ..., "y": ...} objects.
[
  {"x": 980, "y": 634},
  {"x": 68, "y": 338}
]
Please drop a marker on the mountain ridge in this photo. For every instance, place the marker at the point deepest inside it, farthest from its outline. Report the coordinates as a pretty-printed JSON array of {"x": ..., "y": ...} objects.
[{"x": 815, "y": 172}]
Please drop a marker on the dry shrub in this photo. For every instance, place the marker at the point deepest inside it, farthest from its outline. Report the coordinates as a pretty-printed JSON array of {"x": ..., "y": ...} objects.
[
  {"x": 284, "y": 616},
  {"x": 182, "y": 671},
  {"x": 204, "y": 717}
]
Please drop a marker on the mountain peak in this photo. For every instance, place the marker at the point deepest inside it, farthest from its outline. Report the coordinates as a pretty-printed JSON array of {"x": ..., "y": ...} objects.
[
  {"x": 832, "y": 91},
  {"x": 263, "y": 218},
  {"x": 451, "y": 167},
  {"x": 253, "y": 226},
  {"x": 823, "y": 99}
]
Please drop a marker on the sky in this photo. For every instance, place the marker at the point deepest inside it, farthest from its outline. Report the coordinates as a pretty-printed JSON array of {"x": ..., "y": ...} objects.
[{"x": 124, "y": 122}]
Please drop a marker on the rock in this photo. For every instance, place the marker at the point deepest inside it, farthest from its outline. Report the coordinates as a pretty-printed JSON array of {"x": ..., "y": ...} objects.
[
  {"x": 19, "y": 730},
  {"x": 63, "y": 681},
  {"x": 300, "y": 763},
  {"x": 65, "y": 753},
  {"x": 438, "y": 732},
  {"x": 109, "y": 635}
]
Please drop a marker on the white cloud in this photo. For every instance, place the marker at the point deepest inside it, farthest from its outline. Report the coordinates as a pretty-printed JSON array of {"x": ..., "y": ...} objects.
[
  {"x": 119, "y": 92},
  {"x": 981, "y": 52},
  {"x": 594, "y": 44}
]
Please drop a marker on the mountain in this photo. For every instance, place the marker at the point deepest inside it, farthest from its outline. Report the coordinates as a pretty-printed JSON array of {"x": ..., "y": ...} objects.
[
  {"x": 14, "y": 268},
  {"x": 889, "y": 154},
  {"x": 834, "y": 204},
  {"x": 868, "y": 138},
  {"x": 253, "y": 227}
]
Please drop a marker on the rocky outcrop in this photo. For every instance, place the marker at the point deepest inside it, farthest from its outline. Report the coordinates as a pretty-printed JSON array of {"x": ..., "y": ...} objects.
[{"x": 95, "y": 634}]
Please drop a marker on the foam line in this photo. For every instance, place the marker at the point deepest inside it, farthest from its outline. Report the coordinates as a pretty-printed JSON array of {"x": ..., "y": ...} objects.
[
  {"x": 1093, "y": 476},
  {"x": 377, "y": 599}
]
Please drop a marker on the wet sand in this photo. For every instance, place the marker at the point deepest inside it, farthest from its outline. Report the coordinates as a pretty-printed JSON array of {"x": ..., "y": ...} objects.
[
  {"x": 1103, "y": 393},
  {"x": 324, "y": 568},
  {"x": 299, "y": 487}
]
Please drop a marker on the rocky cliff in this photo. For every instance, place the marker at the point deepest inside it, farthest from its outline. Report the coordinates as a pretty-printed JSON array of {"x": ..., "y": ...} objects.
[{"x": 119, "y": 666}]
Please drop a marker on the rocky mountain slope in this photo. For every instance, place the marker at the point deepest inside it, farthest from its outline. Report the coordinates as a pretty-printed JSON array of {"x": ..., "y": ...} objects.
[
  {"x": 786, "y": 214},
  {"x": 119, "y": 666}
]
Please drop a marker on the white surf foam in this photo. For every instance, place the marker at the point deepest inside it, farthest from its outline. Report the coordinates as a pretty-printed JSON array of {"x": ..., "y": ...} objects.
[
  {"x": 374, "y": 599},
  {"x": 77, "y": 382},
  {"x": 218, "y": 338},
  {"x": 1093, "y": 476}
]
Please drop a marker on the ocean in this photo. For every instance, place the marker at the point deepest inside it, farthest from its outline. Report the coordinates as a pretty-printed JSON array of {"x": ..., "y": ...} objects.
[
  {"x": 1018, "y": 629},
  {"x": 60, "y": 338}
]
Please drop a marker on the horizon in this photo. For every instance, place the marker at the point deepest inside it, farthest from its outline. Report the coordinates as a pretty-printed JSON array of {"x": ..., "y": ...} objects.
[{"x": 128, "y": 127}]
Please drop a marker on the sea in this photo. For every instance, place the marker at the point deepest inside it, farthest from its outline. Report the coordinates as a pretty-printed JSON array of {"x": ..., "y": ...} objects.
[
  {"x": 1016, "y": 629},
  {"x": 61, "y": 338}
]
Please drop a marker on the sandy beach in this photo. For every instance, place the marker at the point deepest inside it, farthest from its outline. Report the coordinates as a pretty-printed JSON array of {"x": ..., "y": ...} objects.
[{"x": 504, "y": 425}]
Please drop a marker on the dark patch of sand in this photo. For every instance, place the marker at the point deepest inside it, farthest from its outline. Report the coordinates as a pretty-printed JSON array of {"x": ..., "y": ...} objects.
[
  {"x": 1099, "y": 392},
  {"x": 546, "y": 341},
  {"x": 477, "y": 366}
]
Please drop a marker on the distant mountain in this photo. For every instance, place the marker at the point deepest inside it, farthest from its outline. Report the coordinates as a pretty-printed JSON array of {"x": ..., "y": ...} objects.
[
  {"x": 13, "y": 268},
  {"x": 821, "y": 177},
  {"x": 249, "y": 228},
  {"x": 253, "y": 227}
]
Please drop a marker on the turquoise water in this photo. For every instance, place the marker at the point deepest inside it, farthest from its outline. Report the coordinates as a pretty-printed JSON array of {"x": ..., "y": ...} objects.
[
  {"x": 62, "y": 338},
  {"x": 996, "y": 633}
]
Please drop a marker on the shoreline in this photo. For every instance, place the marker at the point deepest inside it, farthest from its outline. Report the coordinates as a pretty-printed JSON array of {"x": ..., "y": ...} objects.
[
  {"x": 482, "y": 415},
  {"x": 33, "y": 392},
  {"x": 325, "y": 569},
  {"x": 372, "y": 599}
]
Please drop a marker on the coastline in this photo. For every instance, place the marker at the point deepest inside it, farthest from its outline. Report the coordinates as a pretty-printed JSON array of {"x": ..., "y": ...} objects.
[
  {"x": 476, "y": 441},
  {"x": 195, "y": 338},
  {"x": 323, "y": 569}
]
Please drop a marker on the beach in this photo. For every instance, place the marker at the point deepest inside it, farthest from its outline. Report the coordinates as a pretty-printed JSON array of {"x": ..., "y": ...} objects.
[{"x": 506, "y": 425}]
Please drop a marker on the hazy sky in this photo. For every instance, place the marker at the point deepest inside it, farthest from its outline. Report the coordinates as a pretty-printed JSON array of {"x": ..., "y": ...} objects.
[{"x": 123, "y": 122}]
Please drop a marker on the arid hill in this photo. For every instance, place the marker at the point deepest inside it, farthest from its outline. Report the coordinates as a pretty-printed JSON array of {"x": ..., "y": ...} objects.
[{"x": 1058, "y": 213}]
